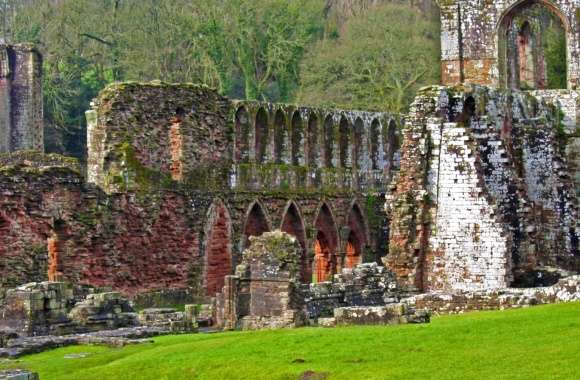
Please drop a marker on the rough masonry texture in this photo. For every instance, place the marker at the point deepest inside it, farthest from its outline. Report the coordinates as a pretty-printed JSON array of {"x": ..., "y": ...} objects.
[
  {"x": 501, "y": 44},
  {"x": 21, "y": 123},
  {"x": 483, "y": 195},
  {"x": 178, "y": 180}
]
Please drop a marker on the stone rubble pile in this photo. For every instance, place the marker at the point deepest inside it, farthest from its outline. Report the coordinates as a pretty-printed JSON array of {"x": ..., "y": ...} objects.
[{"x": 114, "y": 338}]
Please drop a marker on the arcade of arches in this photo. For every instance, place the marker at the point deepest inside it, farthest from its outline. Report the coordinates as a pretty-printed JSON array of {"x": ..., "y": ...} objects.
[{"x": 324, "y": 252}]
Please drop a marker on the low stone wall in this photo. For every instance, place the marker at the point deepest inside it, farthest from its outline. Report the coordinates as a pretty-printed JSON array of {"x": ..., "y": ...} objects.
[
  {"x": 566, "y": 290},
  {"x": 365, "y": 285}
]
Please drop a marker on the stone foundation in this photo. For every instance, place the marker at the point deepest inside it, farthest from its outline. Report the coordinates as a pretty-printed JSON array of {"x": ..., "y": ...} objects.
[{"x": 566, "y": 290}]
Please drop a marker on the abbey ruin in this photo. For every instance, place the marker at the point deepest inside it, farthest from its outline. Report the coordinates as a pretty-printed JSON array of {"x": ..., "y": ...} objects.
[{"x": 475, "y": 190}]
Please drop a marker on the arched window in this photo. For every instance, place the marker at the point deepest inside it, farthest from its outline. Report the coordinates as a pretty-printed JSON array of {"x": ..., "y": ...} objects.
[
  {"x": 280, "y": 138},
  {"x": 242, "y": 138},
  {"x": 313, "y": 141},
  {"x": 297, "y": 139},
  {"x": 328, "y": 141},
  {"x": 358, "y": 142},
  {"x": 375, "y": 143},
  {"x": 261, "y": 135},
  {"x": 532, "y": 47},
  {"x": 344, "y": 142},
  {"x": 390, "y": 147}
]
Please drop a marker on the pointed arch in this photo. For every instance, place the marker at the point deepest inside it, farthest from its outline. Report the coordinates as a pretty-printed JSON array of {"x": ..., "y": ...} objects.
[
  {"x": 261, "y": 135},
  {"x": 325, "y": 245},
  {"x": 218, "y": 248},
  {"x": 293, "y": 224},
  {"x": 242, "y": 135},
  {"x": 255, "y": 224},
  {"x": 357, "y": 238}
]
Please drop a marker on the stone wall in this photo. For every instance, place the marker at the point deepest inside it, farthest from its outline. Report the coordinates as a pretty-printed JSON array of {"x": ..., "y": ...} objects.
[
  {"x": 483, "y": 194},
  {"x": 21, "y": 112},
  {"x": 192, "y": 135},
  {"x": 147, "y": 219}
]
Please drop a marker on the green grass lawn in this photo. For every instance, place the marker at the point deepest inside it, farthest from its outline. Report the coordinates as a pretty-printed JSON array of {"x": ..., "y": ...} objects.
[{"x": 536, "y": 343}]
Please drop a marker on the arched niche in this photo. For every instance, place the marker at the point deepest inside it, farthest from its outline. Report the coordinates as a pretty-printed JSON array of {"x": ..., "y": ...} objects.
[
  {"x": 293, "y": 224},
  {"x": 325, "y": 245},
  {"x": 218, "y": 248},
  {"x": 261, "y": 135}
]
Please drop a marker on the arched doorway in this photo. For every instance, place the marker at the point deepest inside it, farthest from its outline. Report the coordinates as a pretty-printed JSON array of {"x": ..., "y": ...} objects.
[
  {"x": 218, "y": 248},
  {"x": 325, "y": 260},
  {"x": 532, "y": 47},
  {"x": 256, "y": 223},
  {"x": 357, "y": 239},
  {"x": 292, "y": 224}
]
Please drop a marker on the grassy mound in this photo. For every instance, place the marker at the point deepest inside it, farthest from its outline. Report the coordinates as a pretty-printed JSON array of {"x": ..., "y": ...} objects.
[{"x": 541, "y": 342}]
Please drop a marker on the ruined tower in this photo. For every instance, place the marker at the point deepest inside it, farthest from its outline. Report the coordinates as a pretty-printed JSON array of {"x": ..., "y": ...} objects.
[{"x": 21, "y": 123}]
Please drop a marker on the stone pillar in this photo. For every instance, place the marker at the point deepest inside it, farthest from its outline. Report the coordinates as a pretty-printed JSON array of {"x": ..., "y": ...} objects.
[{"x": 27, "y": 130}]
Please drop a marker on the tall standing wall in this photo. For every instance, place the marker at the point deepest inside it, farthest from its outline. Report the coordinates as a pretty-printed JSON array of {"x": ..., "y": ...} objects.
[{"x": 483, "y": 195}]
